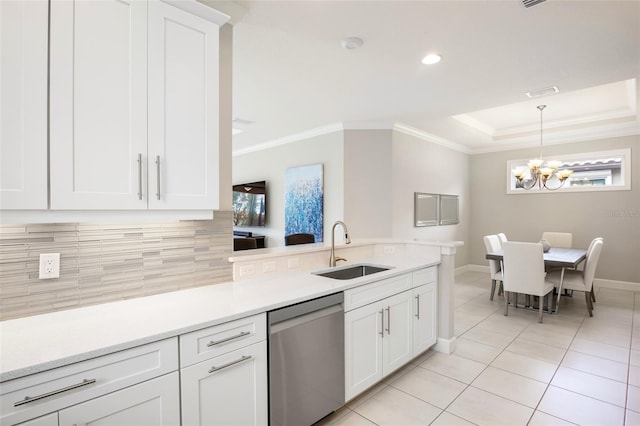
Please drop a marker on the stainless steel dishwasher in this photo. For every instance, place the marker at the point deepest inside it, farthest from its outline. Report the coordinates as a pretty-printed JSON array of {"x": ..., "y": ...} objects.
[{"x": 306, "y": 361}]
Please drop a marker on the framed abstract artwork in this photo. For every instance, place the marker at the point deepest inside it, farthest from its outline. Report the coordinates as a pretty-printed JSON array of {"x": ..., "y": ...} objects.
[{"x": 304, "y": 201}]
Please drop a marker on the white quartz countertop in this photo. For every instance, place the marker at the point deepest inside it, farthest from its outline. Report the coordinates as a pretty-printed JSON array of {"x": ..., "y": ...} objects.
[{"x": 33, "y": 344}]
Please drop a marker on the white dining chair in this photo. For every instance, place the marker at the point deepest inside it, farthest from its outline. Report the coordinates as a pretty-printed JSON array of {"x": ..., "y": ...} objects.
[
  {"x": 581, "y": 280},
  {"x": 558, "y": 239},
  {"x": 502, "y": 237},
  {"x": 593, "y": 290},
  {"x": 523, "y": 272},
  {"x": 492, "y": 244}
]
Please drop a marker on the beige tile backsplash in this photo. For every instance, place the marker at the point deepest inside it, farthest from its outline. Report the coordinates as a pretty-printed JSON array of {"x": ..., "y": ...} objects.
[{"x": 104, "y": 262}]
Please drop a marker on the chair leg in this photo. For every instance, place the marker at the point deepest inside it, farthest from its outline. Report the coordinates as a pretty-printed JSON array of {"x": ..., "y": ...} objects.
[
  {"x": 506, "y": 303},
  {"x": 540, "y": 308},
  {"x": 587, "y": 296},
  {"x": 493, "y": 289},
  {"x": 593, "y": 294},
  {"x": 500, "y": 289}
]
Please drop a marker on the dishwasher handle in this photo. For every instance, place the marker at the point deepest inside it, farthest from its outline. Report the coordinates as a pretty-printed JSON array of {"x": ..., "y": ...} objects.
[{"x": 305, "y": 318}]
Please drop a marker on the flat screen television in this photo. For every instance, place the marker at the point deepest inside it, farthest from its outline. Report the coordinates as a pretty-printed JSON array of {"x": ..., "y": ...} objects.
[{"x": 249, "y": 204}]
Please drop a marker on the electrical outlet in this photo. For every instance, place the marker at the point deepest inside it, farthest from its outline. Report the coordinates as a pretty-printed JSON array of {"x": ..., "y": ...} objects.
[
  {"x": 246, "y": 270},
  {"x": 49, "y": 265},
  {"x": 389, "y": 249},
  {"x": 268, "y": 266},
  {"x": 293, "y": 263}
]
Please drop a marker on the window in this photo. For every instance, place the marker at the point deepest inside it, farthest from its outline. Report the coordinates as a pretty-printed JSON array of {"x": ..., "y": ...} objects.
[{"x": 593, "y": 171}]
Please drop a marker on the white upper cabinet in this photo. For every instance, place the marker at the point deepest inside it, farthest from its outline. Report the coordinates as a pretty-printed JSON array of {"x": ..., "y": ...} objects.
[
  {"x": 98, "y": 104},
  {"x": 23, "y": 104},
  {"x": 183, "y": 109},
  {"x": 134, "y": 106}
]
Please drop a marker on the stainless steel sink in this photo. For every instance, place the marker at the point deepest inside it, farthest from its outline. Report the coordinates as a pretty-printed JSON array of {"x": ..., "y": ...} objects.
[{"x": 352, "y": 272}]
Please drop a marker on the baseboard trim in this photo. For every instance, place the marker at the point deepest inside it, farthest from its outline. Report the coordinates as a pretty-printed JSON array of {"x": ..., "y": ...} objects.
[
  {"x": 446, "y": 346},
  {"x": 598, "y": 282},
  {"x": 473, "y": 268},
  {"x": 620, "y": 285}
]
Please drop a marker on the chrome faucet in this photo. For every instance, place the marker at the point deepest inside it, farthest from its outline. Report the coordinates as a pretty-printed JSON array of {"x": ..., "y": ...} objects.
[{"x": 333, "y": 259}]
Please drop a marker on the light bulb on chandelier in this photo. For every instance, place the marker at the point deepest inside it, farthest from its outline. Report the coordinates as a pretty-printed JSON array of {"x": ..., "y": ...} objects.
[{"x": 539, "y": 172}]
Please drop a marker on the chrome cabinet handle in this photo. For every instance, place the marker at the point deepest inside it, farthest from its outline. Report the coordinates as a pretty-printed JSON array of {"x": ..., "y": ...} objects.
[
  {"x": 229, "y": 364},
  {"x": 158, "y": 176},
  {"x": 28, "y": 399},
  {"x": 237, "y": 336},
  {"x": 381, "y": 312},
  {"x": 139, "y": 176},
  {"x": 388, "y": 320},
  {"x": 418, "y": 306}
]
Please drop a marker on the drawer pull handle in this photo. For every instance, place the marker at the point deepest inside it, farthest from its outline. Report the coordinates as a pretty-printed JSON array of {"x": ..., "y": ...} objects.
[
  {"x": 237, "y": 336},
  {"x": 381, "y": 312},
  {"x": 29, "y": 399},
  {"x": 229, "y": 364},
  {"x": 418, "y": 306}
]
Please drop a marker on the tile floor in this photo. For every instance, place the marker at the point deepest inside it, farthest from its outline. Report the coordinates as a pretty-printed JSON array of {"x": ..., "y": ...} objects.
[{"x": 571, "y": 369}]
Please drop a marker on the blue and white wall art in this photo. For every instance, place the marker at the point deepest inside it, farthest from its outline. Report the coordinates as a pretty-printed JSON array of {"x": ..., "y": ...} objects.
[{"x": 304, "y": 201}]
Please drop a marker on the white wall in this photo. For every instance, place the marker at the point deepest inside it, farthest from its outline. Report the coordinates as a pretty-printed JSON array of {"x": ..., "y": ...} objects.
[
  {"x": 370, "y": 177},
  {"x": 420, "y": 166},
  {"x": 614, "y": 215},
  {"x": 368, "y": 194},
  {"x": 270, "y": 165}
]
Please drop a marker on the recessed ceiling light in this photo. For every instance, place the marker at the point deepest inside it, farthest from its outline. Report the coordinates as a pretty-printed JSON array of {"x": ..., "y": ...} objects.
[
  {"x": 351, "y": 43},
  {"x": 432, "y": 58}
]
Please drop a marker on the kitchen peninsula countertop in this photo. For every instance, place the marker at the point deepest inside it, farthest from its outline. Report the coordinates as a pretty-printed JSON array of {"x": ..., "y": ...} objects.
[{"x": 41, "y": 342}]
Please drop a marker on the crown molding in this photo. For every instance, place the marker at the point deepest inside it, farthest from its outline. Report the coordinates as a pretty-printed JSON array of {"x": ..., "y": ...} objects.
[
  {"x": 412, "y": 131},
  {"x": 296, "y": 137},
  {"x": 629, "y": 128}
]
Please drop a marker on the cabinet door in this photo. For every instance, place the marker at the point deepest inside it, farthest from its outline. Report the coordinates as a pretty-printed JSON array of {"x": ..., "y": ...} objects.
[
  {"x": 424, "y": 320},
  {"x": 98, "y": 104},
  {"x": 23, "y": 104},
  {"x": 227, "y": 390},
  {"x": 48, "y": 420},
  {"x": 155, "y": 402},
  {"x": 183, "y": 109},
  {"x": 363, "y": 348},
  {"x": 398, "y": 324}
]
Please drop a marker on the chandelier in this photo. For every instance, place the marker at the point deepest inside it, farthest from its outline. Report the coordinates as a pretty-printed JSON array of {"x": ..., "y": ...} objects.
[{"x": 540, "y": 173}]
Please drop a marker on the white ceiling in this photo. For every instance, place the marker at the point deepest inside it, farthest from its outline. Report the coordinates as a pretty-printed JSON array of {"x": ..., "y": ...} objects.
[{"x": 292, "y": 76}]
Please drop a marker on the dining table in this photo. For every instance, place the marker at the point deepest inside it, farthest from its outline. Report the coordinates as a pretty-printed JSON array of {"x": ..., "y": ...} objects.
[{"x": 555, "y": 257}]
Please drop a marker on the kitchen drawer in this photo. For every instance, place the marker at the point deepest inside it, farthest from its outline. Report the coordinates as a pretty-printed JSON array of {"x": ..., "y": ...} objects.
[
  {"x": 42, "y": 393},
  {"x": 375, "y": 291},
  {"x": 217, "y": 340},
  {"x": 424, "y": 276}
]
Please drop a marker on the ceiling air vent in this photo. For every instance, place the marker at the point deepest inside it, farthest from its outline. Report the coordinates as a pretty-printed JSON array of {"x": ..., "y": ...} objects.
[
  {"x": 529, "y": 3},
  {"x": 542, "y": 92}
]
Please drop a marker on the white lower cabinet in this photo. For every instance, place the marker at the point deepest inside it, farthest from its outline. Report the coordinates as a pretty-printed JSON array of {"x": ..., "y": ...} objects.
[
  {"x": 425, "y": 332},
  {"x": 385, "y": 334},
  {"x": 137, "y": 386},
  {"x": 151, "y": 403},
  {"x": 230, "y": 389},
  {"x": 224, "y": 374},
  {"x": 363, "y": 348},
  {"x": 377, "y": 341},
  {"x": 48, "y": 420},
  {"x": 397, "y": 347}
]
